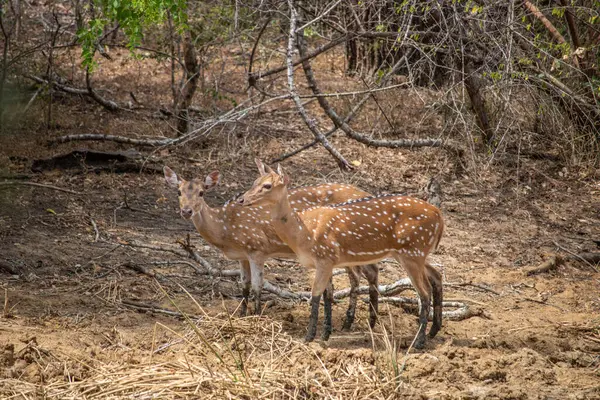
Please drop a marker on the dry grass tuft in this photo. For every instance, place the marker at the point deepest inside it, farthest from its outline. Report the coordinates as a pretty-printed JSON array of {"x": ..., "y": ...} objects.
[{"x": 219, "y": 358}]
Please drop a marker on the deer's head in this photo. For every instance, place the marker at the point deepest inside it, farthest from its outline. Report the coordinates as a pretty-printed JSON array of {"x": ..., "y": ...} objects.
[
  {"x": 268, "y": 189},
  {"x": 191, "y": 192}
]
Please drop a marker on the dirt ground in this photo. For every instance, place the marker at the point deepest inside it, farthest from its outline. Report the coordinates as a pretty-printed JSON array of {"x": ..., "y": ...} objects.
[{"x": 69, "y": 330}]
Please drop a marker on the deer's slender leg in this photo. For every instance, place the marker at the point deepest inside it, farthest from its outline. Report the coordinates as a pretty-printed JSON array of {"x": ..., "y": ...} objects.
[
  {"x": 322, "y": 277},
  {"x": 314, "y": 316},
  {"x": 415, "y": 269},
  {"x": 351, "y": 311},
  {"x": 435, "y": 279},
  {"x": 371, "y": 272},
  {"x": 245, "y": 276},
  {"x": 256, "y": 266},
  {"x": 327, "y": 302}
]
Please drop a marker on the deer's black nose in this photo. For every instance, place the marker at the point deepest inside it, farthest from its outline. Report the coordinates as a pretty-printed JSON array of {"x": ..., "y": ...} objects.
[
  {"x": 186, "y": 212},
  {"x": 240, "y": 200}
]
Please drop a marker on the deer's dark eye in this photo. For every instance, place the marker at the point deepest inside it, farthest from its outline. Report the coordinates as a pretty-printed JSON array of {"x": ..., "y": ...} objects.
[
  {"x": 267, "y": 186},
  {"x": 179, "y": 193},
  {"x": 201, "y": 193}
]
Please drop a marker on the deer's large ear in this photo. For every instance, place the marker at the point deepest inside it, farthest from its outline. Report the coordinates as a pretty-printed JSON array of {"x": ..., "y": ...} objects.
[
  {"x": 171, "y": 177},
  {"x": 261, "y": 166},
  {"x": 212, "y": 180},
  {"x": 280, "y": 172}
]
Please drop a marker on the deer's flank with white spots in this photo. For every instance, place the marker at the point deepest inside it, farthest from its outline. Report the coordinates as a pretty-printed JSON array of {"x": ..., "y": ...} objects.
[{"x": 358, "y": 232}]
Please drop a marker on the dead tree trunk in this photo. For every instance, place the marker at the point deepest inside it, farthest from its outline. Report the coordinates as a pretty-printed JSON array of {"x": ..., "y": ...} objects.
[{"x": 192, "y": 74}]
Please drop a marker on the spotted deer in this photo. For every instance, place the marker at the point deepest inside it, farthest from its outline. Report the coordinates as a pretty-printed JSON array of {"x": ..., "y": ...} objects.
[
  {"x": 247, "y": 235},
  {"x": 358, "y": 232}
]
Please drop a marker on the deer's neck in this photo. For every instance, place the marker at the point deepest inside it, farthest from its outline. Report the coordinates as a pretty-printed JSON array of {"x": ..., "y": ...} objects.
[
  {"x": 287, "y": 224},
  {"x": 209, "y": 224}
]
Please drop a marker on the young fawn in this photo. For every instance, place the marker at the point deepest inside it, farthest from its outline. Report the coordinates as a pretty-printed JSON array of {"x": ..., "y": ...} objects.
[
  {"x": 358, "y": 232},
  {"x": 246, "y": 235}
]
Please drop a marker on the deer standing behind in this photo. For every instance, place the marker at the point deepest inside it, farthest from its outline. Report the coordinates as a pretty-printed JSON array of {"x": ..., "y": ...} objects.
[
  {"x": 246, "y": 235},
  {"x": 359, "y": 232}
]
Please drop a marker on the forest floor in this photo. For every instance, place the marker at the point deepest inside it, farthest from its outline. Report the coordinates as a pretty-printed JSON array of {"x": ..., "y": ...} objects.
[{"x": 68, "y": 328}]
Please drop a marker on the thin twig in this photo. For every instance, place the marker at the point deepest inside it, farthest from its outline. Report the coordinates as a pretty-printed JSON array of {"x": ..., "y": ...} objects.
[
  {"x": 35, "y": 95},
  {"x": 592, "y": 266},
  {"x": 476, "y": 285},
  {"x": 333, "y": 43},
  {"x": 310, "y": 122},
  {"x": 5, "y": 312},
  {"x": 95, "y": 229},
  {"x": 338, "y": 122},
  {"x": 42, "y": 185},
  {"x": 179, "y": 262},
  {"x": 157, "y": 310},
  {"x": 540, "y": 302}
]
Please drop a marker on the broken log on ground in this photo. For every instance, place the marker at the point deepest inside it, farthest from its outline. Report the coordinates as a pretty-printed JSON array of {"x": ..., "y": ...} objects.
[{"x": 96, "y": 161}]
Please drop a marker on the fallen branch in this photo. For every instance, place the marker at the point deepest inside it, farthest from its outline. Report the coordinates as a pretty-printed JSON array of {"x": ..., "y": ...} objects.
[
  {"x": 113, "y": 138},
  {"x": 286, "y": 294},
  {"x": 93, "y": 160},
  {"x": 187, "y": 246},
  {"x": 189, "y": 252},
  {"x": 384, "y": 290},
  {"x": 59, "y": 86},
  {"x": 156, "y": 310},
  {"x": 392, "y": 289},
  {"x": 42, "y": 185},
  {"x": 108, "y": 104},
  {"x": 462, "y": 312},
  {"x": 234, "y": 115},
  {"x": 141, "y": 269}
]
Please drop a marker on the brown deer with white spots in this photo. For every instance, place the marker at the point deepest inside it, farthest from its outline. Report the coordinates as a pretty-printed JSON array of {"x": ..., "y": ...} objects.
[
  {"x": 247, "y": 235},
  {"x": 358, "y": 232}
]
